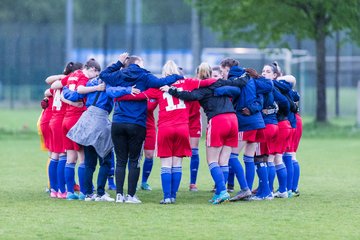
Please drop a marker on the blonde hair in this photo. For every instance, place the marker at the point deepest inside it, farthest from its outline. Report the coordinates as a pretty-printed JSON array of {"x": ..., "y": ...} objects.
[
  {"x": 170, "y": 68},
  {"x": 203, "y": 71}
]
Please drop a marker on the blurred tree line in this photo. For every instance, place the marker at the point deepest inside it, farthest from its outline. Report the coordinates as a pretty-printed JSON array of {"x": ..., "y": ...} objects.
[{"x": 94, "y": 11}]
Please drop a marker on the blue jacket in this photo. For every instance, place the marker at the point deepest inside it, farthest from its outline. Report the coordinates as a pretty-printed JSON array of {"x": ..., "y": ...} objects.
[
  {"x": 285, "y": 88},
  {"x": 104, "y": 100},
  {"x": 133, "y": 111},
  {"x": 248, "y": 99}
]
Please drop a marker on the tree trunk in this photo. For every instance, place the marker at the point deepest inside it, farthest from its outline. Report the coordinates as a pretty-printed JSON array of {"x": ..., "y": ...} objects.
[{"x": 321, "y": 113}]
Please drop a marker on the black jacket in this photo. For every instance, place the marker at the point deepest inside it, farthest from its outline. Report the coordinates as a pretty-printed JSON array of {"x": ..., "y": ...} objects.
[{"x": 212, "y": 105}]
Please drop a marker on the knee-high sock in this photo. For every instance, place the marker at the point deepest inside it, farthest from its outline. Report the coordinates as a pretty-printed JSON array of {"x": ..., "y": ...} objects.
[
  {"x": 263, "y": 189},
  {"x": 296, "y": 176},
  {"x": 176, "y": 173},
  {"x": 194, "y": 165},
  {"x": 231, "y": 176},
  {"x": 271, "y": 175},
  {"x": 282, "y": 177},
  {"x": 70, "y": 176},
  {"x": 289, "y": 169},
  {"x": 53, "y": 174},
  {"x": 166, "y": 181},
  {"x": 147, "y": 167},
  {"x": 249, "y": 170},
  {"x": 81, "y": 175},
  {"x": 217, "y": 176},
  {"x": 61, "y": 173},
  {"x": 225, "y": 171},
  {"x": 238, "y": 171}
]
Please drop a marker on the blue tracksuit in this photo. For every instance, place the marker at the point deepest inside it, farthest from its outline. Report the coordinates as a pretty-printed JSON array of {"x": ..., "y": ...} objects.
[
  {"x": 133, "y": 111},
  {"x": 285, "y": 88},
  {"x": 247, "y": 98}
]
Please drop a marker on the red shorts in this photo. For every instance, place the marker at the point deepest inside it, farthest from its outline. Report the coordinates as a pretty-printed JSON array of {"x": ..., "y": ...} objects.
[
  {"x": 256, "y": 135},
  {"x": 57, "y": 136},
  {"x": 195, "y": 127},
  {"x": 150, "y": 139},
  {"x": 47, "y": 135},
  {"x": 68, "y": 123},
  {"x": 282, "y": 143},
  {"x": 222, "y": 130},
  {"x": 297, "y": 135},
  {"x": 173, "y": 141},
  {"x": 271, "y": 132}
]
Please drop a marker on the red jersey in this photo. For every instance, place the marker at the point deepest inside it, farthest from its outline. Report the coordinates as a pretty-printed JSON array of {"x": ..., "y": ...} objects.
[
  {"x": 172, "y": 110},
  {"x": 58, "y": 107},
  {"x": 73, "y": 81},
  {"x": 150, "y": 120}
]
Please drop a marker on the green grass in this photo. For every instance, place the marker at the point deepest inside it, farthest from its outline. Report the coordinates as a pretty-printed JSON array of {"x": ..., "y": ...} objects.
[{"x": 327, "y": 208}]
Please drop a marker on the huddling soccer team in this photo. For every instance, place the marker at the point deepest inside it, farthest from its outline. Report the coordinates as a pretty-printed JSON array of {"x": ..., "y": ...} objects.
[{"x": 256, "y": 114}]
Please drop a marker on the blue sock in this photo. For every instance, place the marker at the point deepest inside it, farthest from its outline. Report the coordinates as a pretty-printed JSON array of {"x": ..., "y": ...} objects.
[
  {"x": 61, "y": 173},
  {"x": 218, "y": 177},
  {"x": 194, "y": 165},
  {"x": 296, "y": 176},
  {"x": 282, "y": 177},
  {"x": 53, "y": 165},
  {"x": 148, "y": 164},
  {"x": 249, "y": 170},
  {"x": 271, "y": 175},
  {"x": 166, "y": 181},
  {"x": 225, "y": 171},
  {"x": 238, "y": 170},
  {"x": 176, "y": 173},
  {"x": 81, "y": 175},
  {"x": 231, "y": 176},
  {"x": 70, "y": 176},
  {"x": 289, "y": 169},
  {"x": 112, "y": 168},
  {"x": 263, "y": 180}
]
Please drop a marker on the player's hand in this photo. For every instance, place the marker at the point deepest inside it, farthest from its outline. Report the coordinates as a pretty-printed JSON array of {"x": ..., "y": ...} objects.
[
  {"x": 245, "y": 111},
  {"x": 78, "y": 104},
  {"x": 44, "y": 103},
  {"x": 101, "y": 87},
  {"x": 134, "y": 90},
  {"x": 123, "y": 57},
  {"x": 165, "y": 88}
]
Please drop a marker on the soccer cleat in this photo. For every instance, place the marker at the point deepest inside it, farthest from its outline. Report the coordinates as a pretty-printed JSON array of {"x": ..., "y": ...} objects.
[
  {"x": 230, "y": 188},
  {"x": 269, "y": 197},
  {"x": 223, "y": 197},
  {"x": 61, "y": 195},
  {"x": 104, "y": 198},
  {"x": 296, "y": 193},
  {"x": 173, "y": 200},
  {"x": 90, "y": 197},
  {"x": 132, "y": 199},
  {"x": 76, "y": 187},
  {"x": 165, "y": 201},
  {"x": 254, "y": 191},
  {"x": 53, "y": 193},
  {"x": 81, "y": 196},
  {"x": 242, "y": 194},
  {"x": 256, "y": 198},
  {"x": 290, "y": 194},
  {"x": 193, "y": 188},
  {"x": 145, "y": 186},
  {"x": 281, "y": 195},
  {"x": 213, "y": 198},
  {"x": 120, "y": 198},
  {"x": 72, "y": 196}
]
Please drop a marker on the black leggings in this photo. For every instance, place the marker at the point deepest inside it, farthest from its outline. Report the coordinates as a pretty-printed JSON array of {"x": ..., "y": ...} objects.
[{"x": 128, "y": 141}]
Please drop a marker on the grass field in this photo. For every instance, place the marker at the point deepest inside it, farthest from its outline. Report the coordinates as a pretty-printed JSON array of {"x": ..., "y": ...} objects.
[{"x": 328, "y": 207}]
